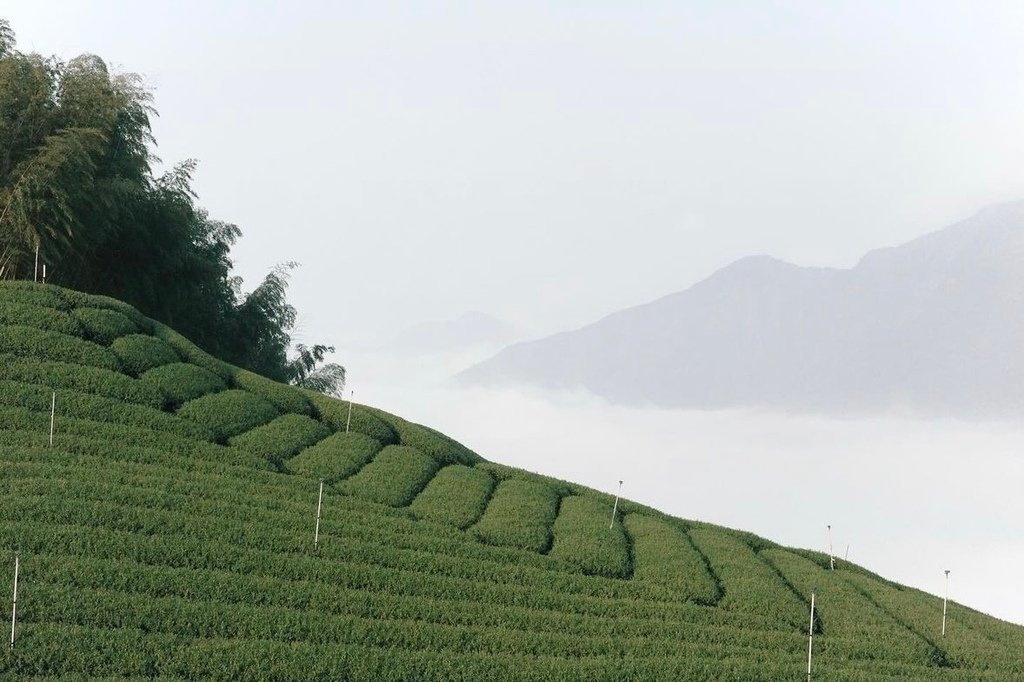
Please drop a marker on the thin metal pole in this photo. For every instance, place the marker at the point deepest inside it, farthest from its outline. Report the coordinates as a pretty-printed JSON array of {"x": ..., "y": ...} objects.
[
  {"x": 35, "y": 273},
  {"x": 615, "y": 507},
  {"x": 348, "y": 422},
  {"x": 846, "y": 557},
  {"x": 53, "y": 415},
  {"x": 831, "y": 556},
  {"x": 810, "y": 639},
  {"x": 945, "y": 601},
  {"x": 14, "y": 603},
  {"x": 319, "y": 506}
]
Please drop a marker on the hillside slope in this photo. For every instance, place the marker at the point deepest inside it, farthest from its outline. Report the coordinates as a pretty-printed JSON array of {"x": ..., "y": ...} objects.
[
  {"x": 934, "y": 326},
  {"x": 168, "y": 532}
]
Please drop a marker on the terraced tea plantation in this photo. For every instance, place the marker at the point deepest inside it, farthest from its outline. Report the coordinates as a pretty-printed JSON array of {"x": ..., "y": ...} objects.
[{"x": 168, "y": 533}]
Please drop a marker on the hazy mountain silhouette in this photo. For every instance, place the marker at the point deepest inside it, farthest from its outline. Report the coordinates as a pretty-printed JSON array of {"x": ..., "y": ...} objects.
[
  {"x": 471, "y": 330},
  {"x": 935, "y": 325}
]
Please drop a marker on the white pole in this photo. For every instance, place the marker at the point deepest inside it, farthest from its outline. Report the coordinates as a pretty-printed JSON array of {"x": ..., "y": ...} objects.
[
  {"x": 615, "y": 507},
  {"x": 846, "y": 557},
  {"x": 35, "y": 273},
  {"x": 831, "y": 556},
  {"x": 945, "y": 600},
  {"x": 348, "y": 422},
  {"x": 810, "y": 639},
  {"x": 44, "y": 273},
  {"x": 14, "y": 603},
  {"x": 319, "y": 505},
  {"x": 53, "y": 415}
]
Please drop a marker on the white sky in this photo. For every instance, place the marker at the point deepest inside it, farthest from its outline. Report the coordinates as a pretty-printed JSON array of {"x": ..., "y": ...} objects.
[{"x": 552, "y": 162}]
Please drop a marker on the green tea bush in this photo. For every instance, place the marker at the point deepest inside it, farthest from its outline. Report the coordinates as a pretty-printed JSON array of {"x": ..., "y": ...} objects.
[
  {"x": 139, "y": 353},
  {"x": 141, "y": 322},
  {"x": 83, "y": 378},
  {"x": 282, "y": 438},
  {"x": 334, "y": 413},
  {"x": 181, "y": 382},
  {"x": 663, "y": 553},
  {"x": 26, "y": 315},
  {"x": 336, "y": 457},
  {"x": 748, "y": 582},
  {"x": 865, "y": 630},
  {"x": 103, "y": 326},
  {"x": 922, "y": 613},
  {"x": 192, "y": 353},
  {"x": 442, "y": 448},
  {"x": 45, "y": 295},
  {"x": 502, "y": 472},
  {"x": 394, "y": 477},
  {"x": 95, "y": 408},
  {"x": 582, "y": 536},
  {"x": 284, "y": 397},
  {"x": 47, "y": 345},
  {"x": 457, "y": 496},
  {"x": 520, "y": 514},
  {"x": 228, "y": 413}
]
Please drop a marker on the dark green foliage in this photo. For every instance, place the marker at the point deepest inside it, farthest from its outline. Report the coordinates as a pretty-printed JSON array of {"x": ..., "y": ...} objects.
[
  {"x": 41, "y": 295},
  {"x": 334, "y": 413},
  {"x": 139, "y": 353},
  {"x": 336, "y": 457},
  {"x": 394, "y": 477},
  {"x": 103, "y": 326},
  {"x": 141, "y": 322},
  {"x": 520, "y": 514},
  {"x": 430, "y": 442},
  {"x": 180, "y": 382},
  {"x": 309, "y": 370},
  {"x": 102, "y": 382},
  {"x": 663, "y": 553},
  {"x": 457, "y": 496},
  {"x": 228, "y": 413},
  {"x": 28, "y": 315},
  {"x": 282, "y": 438},
  {"x": 95, "y": 408},
  {"x": 47, "y": 345},
  {"x": 285, "y": 398},
  {"x": 78, "y": 193},
  {"x": 584, "y": 535}
]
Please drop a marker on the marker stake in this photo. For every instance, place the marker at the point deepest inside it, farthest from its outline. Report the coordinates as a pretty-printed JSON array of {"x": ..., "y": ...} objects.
[
  {"x": 14, "y": 602},
  {"x": 615, "y": 507},
  {"x": 945, "y": 601},
  {"x": 810, "y": 639},
  {"x": 319, "y": 506},
  {"x": 348, "y": 422}
]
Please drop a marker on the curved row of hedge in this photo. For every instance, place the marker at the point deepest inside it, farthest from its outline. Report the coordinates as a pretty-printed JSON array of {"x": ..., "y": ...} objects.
[
  {"x": 282, "y": 438},
  {"x": 456, "y": 496},
  {"x": 336, "y": 457}
]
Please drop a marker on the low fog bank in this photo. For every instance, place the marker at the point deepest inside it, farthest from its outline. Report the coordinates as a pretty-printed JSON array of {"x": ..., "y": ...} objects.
[{"x": 908, "y": 497}]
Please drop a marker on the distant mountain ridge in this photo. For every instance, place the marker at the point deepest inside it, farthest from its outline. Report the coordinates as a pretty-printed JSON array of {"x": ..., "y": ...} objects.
[{"x": 933, "y": 326}]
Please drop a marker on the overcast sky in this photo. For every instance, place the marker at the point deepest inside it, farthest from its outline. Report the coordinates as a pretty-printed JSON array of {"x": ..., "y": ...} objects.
[{"x": 552, "y": 162}]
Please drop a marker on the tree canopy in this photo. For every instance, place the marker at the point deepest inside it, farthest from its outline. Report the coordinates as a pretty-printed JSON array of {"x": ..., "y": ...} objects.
[{"x": 78, "y": 195}]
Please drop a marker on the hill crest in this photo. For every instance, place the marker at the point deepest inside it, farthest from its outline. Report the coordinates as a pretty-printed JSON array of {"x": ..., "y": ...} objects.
[{"x": 168, "y": 532}]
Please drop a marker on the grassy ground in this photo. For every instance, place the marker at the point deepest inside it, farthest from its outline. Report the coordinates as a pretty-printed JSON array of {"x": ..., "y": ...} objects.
[{"x": 168, "y": 532}]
